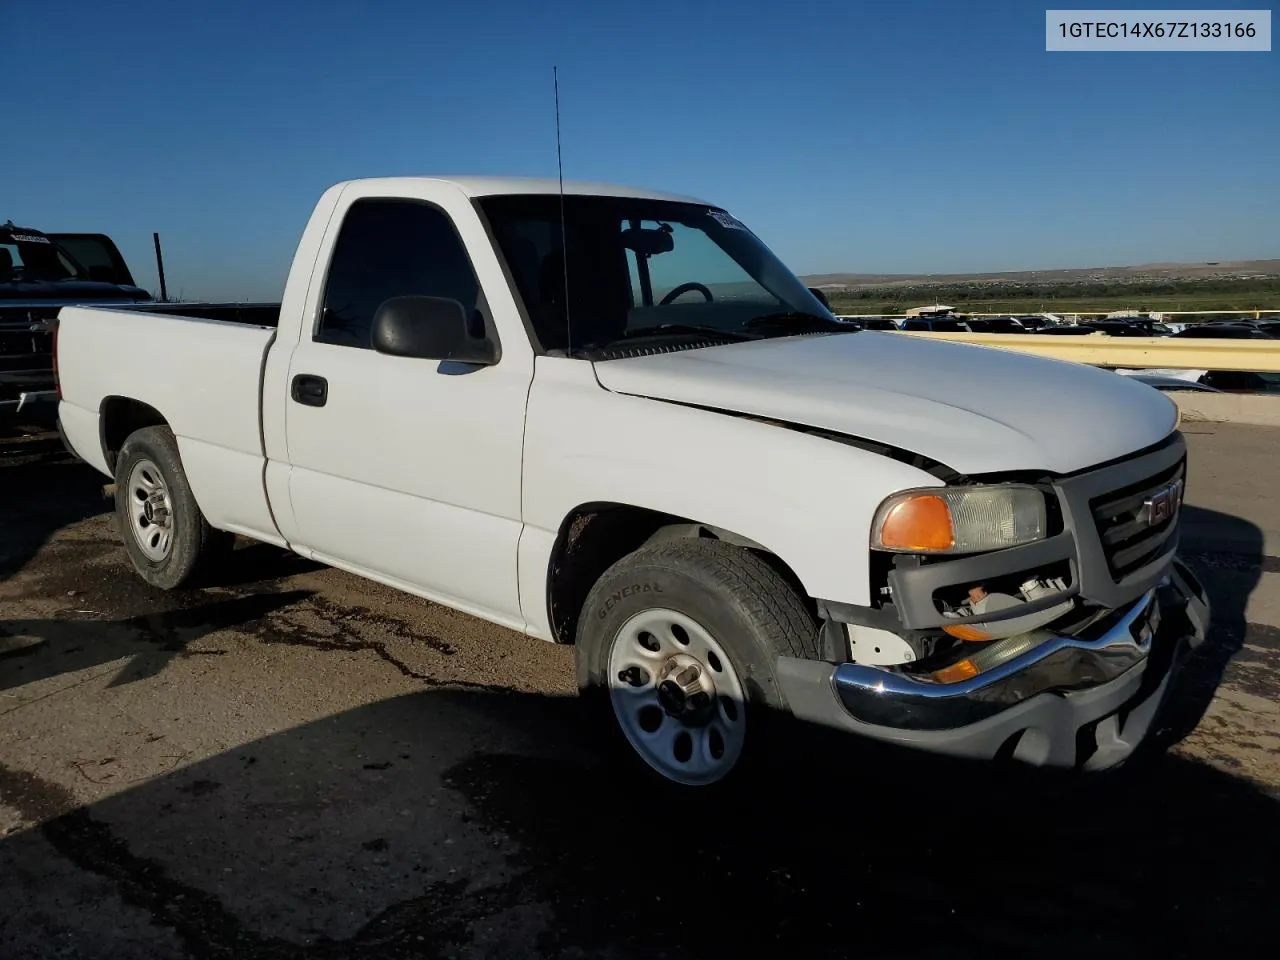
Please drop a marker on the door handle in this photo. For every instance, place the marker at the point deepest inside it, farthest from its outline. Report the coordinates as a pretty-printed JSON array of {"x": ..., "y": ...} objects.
[{"x": 310, "y": 390}]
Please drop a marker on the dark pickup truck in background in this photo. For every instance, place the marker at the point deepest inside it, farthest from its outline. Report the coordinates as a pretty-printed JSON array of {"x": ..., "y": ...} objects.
[{"x": 39, "y": 274}]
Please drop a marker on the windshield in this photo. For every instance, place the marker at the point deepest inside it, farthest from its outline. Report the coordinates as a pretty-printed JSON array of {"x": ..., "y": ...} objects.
[
  {"x": 635, "y": 264},
  {"x": 34, "y": 257}
]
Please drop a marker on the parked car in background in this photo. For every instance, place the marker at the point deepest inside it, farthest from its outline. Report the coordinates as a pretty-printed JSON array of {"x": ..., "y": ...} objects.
[
  {"x": 1222, "y": 331},
  {"x": 1112, "y": 328},
  {"x": 1012, "y": 325},
  {"x": 1171, "y": 379},
  {"x": 1124, "y": 328},
  {"x": 877, "y": 323},
  {"x": 1237, "y": 381},
  {"x": 1152, "y": 328},
  {"x": 1069, "y": 330},
  {"x": 996, "y": 325},
  {"x": 935, "y": 324},
  {"x": 869, "y": 323},
  {"x": 39, "y": 274}
]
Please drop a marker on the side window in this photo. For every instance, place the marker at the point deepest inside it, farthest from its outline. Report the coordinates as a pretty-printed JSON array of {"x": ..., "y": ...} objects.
[
  {"x": 93, "y": 253},
  {"x": 391, "y": 248}
]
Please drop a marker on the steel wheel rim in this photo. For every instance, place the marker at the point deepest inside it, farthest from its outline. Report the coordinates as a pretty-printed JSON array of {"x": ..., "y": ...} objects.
[
  {"x": 701, "y": 743},
  {"x": 150, "y": 510}
]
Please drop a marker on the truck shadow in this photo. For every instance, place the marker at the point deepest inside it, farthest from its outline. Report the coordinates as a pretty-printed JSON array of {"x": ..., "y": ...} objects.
[
  {"x": 42, "y": 490},
  {"x": 146, "y": 643},
  {"x": 1226, "y": 553},
  {"x": 257, "y": 566},
  {"x": 482, "y": 824}
]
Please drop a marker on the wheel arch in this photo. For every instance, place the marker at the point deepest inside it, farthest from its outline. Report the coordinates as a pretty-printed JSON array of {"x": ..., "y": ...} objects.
[
  {"x": 593, "y": 536},
  {"x": 118, "y": 418}
]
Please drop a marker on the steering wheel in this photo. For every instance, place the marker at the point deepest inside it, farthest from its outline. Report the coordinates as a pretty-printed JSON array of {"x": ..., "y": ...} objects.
[{"x": 683, "y": 289}]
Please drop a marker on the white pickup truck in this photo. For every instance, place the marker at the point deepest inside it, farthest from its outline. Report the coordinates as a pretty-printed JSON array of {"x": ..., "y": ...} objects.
[{"x": 611, "y": 417}]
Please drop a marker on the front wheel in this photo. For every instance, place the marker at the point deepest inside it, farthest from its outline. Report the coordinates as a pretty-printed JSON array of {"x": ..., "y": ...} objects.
[
  {"x": 166, "y": 536},
  {"x": 675, "y": 652}
]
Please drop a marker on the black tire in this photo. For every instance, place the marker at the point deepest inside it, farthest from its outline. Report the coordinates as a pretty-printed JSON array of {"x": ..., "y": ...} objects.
[
  {"x": 193, "y": 545},
  {"x": 747, "y": 606}
]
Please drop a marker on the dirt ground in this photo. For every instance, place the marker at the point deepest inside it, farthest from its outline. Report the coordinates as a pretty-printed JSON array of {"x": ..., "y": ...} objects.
[{"x": 292, "y": 762}]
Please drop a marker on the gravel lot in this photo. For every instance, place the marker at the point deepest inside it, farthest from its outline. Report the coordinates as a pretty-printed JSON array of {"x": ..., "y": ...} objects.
[{"x": 293, "y": 762}]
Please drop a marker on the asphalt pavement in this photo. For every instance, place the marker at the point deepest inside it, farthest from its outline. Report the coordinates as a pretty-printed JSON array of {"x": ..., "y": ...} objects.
[{"x": 291, "y": 762}]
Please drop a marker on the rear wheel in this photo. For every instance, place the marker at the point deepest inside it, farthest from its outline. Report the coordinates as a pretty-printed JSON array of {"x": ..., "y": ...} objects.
[
  {"x": 675, "y": 652},
  {"x": 165, "y": 534}
]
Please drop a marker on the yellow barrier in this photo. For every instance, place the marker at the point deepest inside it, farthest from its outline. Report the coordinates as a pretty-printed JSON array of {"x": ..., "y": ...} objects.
[{"x": 1100, "y": 350}]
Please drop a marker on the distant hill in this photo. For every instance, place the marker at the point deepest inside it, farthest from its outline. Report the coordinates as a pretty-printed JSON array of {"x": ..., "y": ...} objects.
[{"x": 1141, "y": 274}]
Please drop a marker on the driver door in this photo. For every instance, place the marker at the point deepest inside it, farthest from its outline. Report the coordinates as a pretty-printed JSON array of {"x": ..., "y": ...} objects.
[{"x": 403, "y": 469}]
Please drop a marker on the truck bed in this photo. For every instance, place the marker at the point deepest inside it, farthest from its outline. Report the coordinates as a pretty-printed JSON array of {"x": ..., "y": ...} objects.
[
  {"x": 26, "y": 348},
  {"x": 252, "y": 314},
  {"x": 202, "y": 370}
]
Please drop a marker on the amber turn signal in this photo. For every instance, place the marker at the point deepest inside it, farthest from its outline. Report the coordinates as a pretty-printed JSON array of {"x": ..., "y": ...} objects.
[
  {"x": 966, "y": 632},
  {"x": 961, "y": 670},
  {"x": 920, "y": 522}
]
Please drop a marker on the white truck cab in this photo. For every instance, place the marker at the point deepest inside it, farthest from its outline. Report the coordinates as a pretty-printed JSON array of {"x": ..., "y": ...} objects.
[{"x": 611, "y": 417}]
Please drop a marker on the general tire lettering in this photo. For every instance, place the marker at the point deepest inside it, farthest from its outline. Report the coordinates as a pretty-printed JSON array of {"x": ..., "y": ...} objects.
[{"x": 628, "y": 591}]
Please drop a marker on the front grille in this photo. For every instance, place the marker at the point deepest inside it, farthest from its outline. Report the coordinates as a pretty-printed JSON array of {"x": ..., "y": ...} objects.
[
  {"x": 23, "y": 343},
  {"x": 1130, "y": 539},
  {"x": 26, "y": 354}
]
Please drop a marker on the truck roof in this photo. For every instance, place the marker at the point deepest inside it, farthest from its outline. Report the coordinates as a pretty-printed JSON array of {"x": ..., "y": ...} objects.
[{"x": 498, "y": 186}]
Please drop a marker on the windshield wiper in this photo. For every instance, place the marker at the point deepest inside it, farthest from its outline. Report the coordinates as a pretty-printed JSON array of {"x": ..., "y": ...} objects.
[
  {"x": 797, "y": 320},
  {"x": 682, "y": 330}
]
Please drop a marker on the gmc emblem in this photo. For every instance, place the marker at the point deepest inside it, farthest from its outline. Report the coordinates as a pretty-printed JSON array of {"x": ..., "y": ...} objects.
[{"x": 1163, "y": 504}]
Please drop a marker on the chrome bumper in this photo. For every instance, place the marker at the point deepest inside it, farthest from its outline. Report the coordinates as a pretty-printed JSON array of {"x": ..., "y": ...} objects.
[{"x": 1035, "y": 707}]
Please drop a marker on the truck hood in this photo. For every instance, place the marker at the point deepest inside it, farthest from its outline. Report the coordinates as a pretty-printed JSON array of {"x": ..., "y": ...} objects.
[{"x": 975, "y": 409}]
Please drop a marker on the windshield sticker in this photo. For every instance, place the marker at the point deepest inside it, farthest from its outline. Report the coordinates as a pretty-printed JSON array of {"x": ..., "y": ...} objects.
[
  {"x": 726, "y": 221},
  {"x": 28, "y": 238}
]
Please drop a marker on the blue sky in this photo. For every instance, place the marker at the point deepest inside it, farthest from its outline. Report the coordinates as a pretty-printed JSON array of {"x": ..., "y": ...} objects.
[{"x": 903, "y": 137}]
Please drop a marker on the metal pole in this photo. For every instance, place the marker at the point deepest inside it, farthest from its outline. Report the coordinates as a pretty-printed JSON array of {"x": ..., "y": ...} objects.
[{"x": 164, "y": 291}]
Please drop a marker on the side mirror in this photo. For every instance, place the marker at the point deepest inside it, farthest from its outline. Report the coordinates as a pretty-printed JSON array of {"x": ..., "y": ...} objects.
[
  {"x": 429, "y": 328},
  {"x": 820, "y": 297}
]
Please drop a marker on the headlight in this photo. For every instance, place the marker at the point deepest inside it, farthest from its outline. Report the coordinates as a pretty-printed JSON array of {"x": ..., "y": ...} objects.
[{"x": 959, "y": 519}]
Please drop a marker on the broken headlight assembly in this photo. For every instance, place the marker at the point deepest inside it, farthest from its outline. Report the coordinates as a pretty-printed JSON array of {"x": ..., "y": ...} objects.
[{"x": 994, "y": 620}]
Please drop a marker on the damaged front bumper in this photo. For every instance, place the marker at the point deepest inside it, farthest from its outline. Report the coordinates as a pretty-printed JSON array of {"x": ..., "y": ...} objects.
[{"x": 1070, "y": 701}]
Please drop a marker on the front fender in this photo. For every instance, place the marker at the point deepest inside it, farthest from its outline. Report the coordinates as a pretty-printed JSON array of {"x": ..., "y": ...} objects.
[{"x": 807, "y": 499}]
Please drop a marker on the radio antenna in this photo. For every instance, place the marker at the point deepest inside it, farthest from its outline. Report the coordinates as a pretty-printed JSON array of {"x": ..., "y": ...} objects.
[{"x": 564, "y": 241}]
